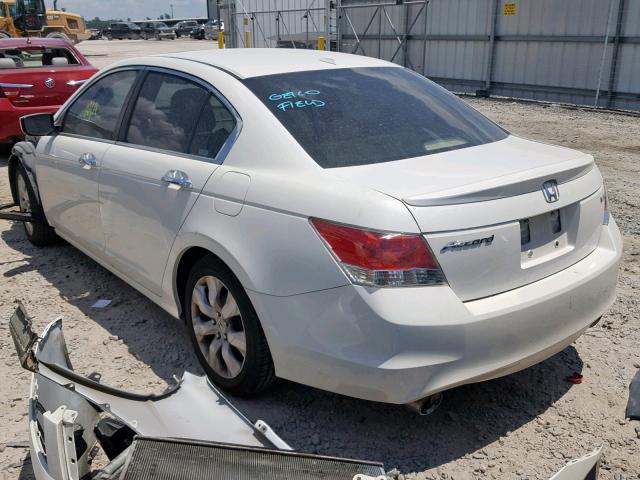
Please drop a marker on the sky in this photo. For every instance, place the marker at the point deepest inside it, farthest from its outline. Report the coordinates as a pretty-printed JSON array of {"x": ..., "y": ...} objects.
[{"x": 136, "y": 10}]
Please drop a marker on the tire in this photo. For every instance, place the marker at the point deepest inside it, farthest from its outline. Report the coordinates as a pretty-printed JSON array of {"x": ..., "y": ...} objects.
[
  {"x": 221, "y": 335},
  {"x": 39, "y": 234},
  {"x": 59, "y": 35}
]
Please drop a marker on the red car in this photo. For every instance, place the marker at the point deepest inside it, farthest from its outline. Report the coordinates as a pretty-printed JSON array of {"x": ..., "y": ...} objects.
[{"x": 37, "y": 75}]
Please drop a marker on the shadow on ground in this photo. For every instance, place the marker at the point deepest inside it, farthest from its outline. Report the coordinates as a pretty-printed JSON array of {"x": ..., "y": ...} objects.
[{"x": 471, "y": 416}]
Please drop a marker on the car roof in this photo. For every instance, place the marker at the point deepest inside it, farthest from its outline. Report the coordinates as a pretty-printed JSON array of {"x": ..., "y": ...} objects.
[
  {"x": 256, "y": 62},
  {"x": 33, "y": 42}
]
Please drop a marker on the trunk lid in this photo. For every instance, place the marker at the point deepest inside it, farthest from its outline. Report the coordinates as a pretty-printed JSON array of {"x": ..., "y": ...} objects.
[{"x": 485, "y": 215}]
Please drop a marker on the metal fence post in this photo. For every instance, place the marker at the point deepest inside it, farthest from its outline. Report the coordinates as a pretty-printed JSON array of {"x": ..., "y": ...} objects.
[
  {"x": 327, "y": 24},
  {"x": 379, "y": 13},
  {"x": 492, "y": 46},
  {"x": 613, "y": 69},
  {"x": 604, "y": 53},
  {"x": 424, "y": 40},
  {"x": 406, "y": 33}
]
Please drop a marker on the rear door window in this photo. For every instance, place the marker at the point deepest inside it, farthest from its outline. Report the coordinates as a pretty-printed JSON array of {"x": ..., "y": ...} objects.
[
  {"x": 213, "y": 129},
  {"x": 175, "y": 114},
  {"x": 358, "y": 116},
  {"x": 95, "y": 113},
  {"x": 166, "y": 112}
]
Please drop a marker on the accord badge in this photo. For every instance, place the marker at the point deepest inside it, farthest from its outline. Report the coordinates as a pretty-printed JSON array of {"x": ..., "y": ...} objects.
[{"x": 456, "y": 245}]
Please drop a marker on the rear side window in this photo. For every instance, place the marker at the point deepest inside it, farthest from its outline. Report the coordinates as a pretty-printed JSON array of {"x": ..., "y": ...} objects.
[
  {"x": 33, "y": 57},
  {"x": 173, "y": 113},
  {"x": 214, "y": 127},
  {"x": 346, "y": 117},
  {"x": 96, "y": 111}
]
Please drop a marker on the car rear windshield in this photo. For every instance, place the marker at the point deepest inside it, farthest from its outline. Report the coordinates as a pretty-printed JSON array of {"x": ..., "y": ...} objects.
[
  {"x": 360, "y": 116},
  {"x": 38, "y": 56}
]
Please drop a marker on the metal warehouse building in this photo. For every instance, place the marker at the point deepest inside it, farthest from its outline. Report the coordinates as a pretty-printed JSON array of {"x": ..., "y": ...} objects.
[{"x": 575, "y": 51}]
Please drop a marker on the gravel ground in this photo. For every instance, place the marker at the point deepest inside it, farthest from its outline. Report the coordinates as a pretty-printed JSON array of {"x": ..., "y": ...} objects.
[{"x": 526, "y": 425}]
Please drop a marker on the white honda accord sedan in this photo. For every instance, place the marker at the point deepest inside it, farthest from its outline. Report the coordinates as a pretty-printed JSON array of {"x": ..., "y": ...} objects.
[{"x": 330, "y": 219}]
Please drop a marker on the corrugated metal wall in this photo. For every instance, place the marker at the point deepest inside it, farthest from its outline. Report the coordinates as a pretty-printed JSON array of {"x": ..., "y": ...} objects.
[{"x": 555, "y": 50}]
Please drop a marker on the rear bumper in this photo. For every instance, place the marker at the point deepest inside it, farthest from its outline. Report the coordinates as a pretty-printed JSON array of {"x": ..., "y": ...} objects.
[
  {"x": 399, "y": 345},
  {"x": 10, "y": 114}
]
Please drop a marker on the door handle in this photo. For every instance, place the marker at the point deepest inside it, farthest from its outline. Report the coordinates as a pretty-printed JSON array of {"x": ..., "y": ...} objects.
[
  {"x": 76, "y": 83},
  {"x": 88, "y": 160},
  {"x": 177, "y": 177}
]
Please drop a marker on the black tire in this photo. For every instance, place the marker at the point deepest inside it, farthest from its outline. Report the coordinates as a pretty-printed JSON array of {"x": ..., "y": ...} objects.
[
  {"x": 257, "y": 372},
  {"x": 60, "y": 35},
  {"x": 40, "y": 233}
]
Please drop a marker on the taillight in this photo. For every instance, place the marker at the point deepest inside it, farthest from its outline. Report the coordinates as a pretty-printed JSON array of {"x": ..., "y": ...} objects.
[
  {"x": 380, "y": 259},
  {"x": 12, "y": 90}
]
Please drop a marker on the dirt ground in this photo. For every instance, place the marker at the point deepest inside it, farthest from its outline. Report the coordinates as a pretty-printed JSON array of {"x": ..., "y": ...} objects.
[{"x": 526, "y": 425}]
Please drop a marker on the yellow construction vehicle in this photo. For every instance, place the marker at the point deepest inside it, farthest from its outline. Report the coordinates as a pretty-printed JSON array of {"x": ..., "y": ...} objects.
[
  {"x": 22, "y": 18},
  {"x": 69, "y": 24}
]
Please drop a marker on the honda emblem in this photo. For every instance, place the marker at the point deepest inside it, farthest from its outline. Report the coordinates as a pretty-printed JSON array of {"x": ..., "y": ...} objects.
[{"x": 550, "y": 191}]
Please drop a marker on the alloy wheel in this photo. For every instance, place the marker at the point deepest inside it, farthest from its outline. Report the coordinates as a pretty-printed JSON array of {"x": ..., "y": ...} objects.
[
  {"x": 218, "y": 326},
  {"x": 24, "y": 201}
]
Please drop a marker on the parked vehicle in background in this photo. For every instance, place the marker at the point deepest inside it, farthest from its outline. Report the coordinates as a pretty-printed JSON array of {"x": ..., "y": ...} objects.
[
  {"x": 36, "y": 75},
  {"x": 66, "y": 25},
  {"x": 212, "y": 28},
  {"x": 197, "y": 32},
  {"x": 183, "y": 28},
  {"x": 96, "y": 34},
  {"x": 331, "y": 219},
  {"x": 122, "y": 30},
  {"x": 157, "y": 30},
  {"x": 19, "y": 18}
]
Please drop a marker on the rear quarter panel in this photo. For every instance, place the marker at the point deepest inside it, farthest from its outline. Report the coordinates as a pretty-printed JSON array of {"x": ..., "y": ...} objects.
[{"x": 270, "y": 244}]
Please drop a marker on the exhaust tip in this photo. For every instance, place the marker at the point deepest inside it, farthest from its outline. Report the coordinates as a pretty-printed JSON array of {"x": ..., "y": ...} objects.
[{"x": 428, "y": 405}]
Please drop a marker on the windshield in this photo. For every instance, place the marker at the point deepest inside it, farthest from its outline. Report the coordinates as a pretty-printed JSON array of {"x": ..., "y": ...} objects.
[
  {"x": 346, "y": 117},
  {"x": 30, "y": 7},
  {"x": 161, "y": 25}
]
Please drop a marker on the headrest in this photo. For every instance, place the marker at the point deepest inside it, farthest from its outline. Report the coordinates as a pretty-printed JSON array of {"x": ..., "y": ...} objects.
[
  {"x": 59, "y": 61},
  {"x": 7, "y": 63}
]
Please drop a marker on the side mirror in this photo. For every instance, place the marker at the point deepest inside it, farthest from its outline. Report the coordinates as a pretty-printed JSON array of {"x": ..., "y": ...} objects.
[{"x": 38, "y": 124}]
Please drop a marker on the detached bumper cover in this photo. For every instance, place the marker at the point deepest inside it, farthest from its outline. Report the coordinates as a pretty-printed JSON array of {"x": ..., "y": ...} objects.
[{"x": 399, "y": 345}]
